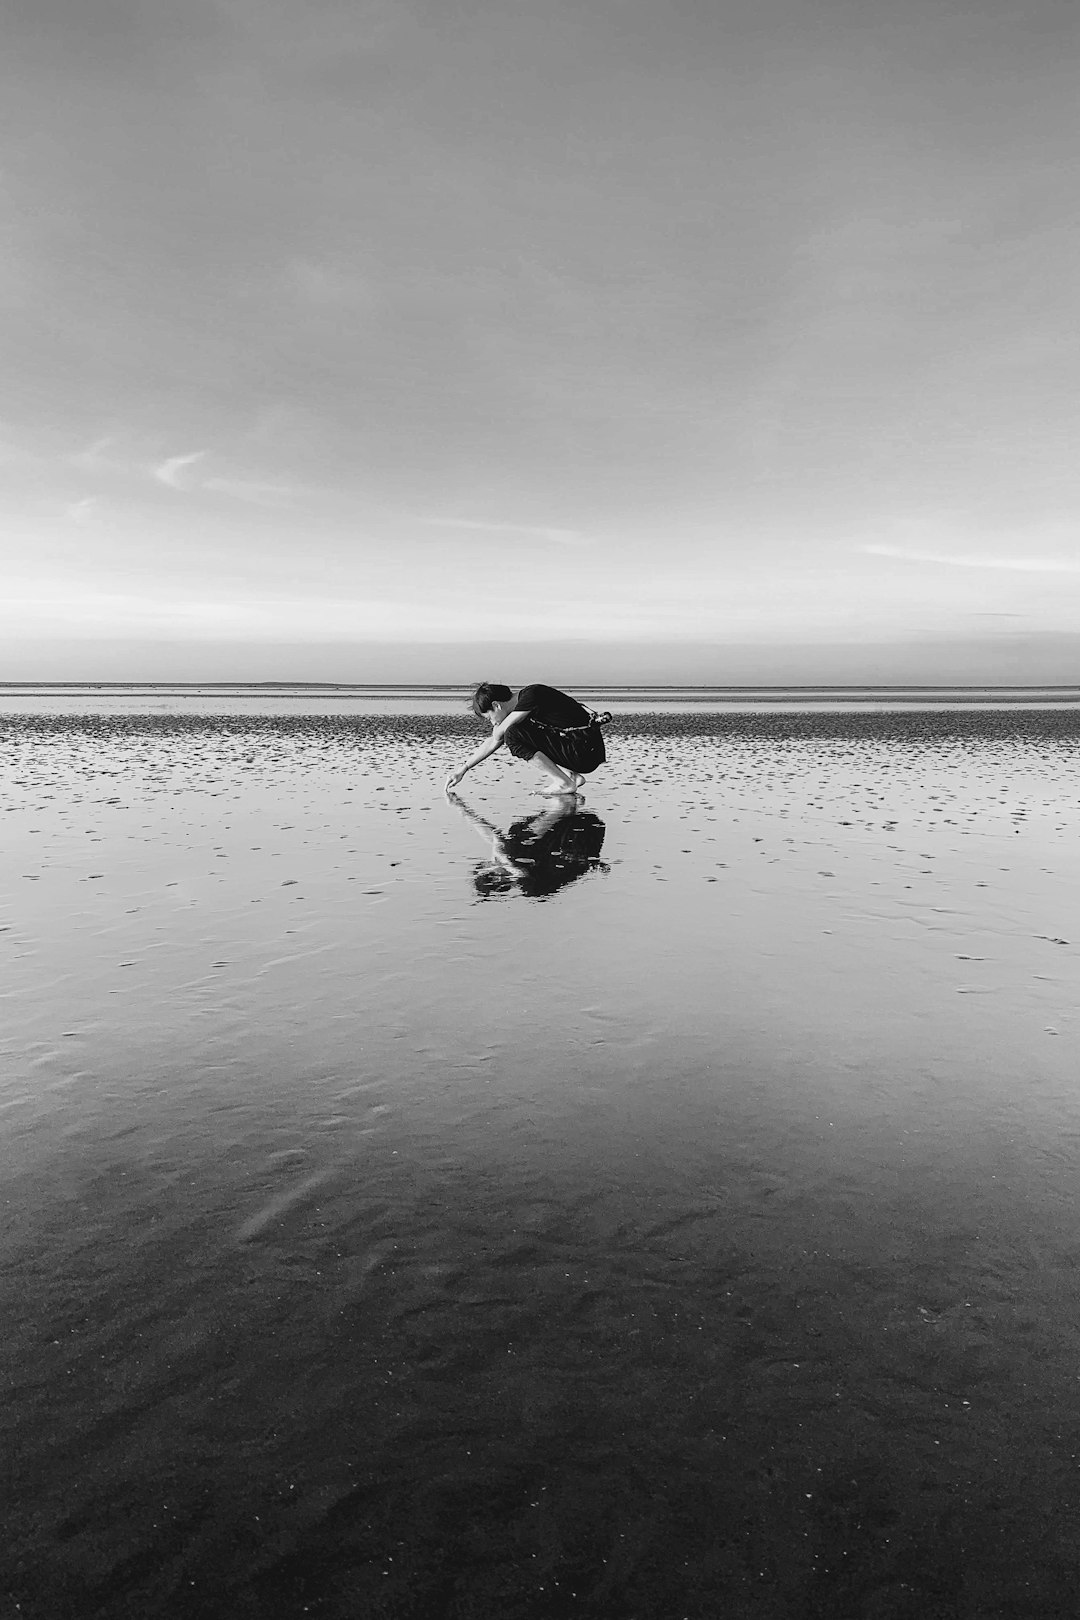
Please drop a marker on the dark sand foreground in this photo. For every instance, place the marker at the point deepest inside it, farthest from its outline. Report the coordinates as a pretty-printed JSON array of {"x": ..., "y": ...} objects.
[{"x": 684, "y": 1223}]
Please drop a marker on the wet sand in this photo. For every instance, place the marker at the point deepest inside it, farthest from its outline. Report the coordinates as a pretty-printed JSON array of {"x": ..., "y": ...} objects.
[{"x": 682, "y": 1222}]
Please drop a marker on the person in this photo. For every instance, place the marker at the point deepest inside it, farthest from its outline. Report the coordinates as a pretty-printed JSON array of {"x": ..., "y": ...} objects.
[{"x": 539, "y": 723}]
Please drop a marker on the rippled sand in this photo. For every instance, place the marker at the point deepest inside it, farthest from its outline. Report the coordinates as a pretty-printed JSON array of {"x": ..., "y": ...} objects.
[{"x": 678, "y": 1220}]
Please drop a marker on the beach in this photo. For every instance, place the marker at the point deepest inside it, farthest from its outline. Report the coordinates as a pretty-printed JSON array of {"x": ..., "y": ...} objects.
[{"x": 675, "y": 1218}]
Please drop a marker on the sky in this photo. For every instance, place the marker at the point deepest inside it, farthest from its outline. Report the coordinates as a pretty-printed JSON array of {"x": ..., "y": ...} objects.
[{"x": 687, "y": 340}]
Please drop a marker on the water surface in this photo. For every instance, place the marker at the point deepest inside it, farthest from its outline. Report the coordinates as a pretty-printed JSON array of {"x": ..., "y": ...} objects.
[{"x": 676, "y": 1217}]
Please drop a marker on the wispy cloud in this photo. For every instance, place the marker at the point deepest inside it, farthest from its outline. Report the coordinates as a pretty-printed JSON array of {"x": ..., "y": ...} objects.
[
  {"x": 82, "y": 511},
  {"x": 96, "y": 458},
  {"x": 1018, "y": 565},
  {"x": 168, "y": 471},
  {"x": 104, "y": 459},
  {"x": 251, "y": 489},
  {"x": 533, "y": 531}
]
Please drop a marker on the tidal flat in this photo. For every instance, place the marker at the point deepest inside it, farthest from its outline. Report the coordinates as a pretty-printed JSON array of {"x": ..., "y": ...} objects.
[{"x": 416, "y": 1209}]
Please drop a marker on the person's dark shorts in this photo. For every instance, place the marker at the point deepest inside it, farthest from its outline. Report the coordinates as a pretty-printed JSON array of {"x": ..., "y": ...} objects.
[{"x": 577, "y": 748}]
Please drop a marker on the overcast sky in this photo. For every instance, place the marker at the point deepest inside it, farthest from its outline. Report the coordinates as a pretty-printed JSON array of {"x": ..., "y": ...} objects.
[{"x": 342, "y": 335}]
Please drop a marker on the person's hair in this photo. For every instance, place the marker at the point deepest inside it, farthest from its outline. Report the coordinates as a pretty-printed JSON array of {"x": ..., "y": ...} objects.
[
  {"x": 486, "y": 695},
  {"x": 490, "y": 880}
]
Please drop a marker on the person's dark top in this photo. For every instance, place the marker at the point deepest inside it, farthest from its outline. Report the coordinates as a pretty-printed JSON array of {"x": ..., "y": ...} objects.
[{"x": 551, "y": 707}]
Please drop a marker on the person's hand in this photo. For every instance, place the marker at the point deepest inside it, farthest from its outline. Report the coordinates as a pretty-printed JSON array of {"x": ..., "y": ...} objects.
[{"x": 452, "y": 781}]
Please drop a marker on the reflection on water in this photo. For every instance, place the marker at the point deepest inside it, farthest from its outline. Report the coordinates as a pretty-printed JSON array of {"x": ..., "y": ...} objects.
[
  {"x": 702, "y": 1244},
  {"x": 540, "y": 854}
]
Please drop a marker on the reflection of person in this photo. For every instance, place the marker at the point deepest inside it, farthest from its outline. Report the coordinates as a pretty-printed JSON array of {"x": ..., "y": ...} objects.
[
  {"x": 540, "y": 854},
  {"x": 541, "y": 724}
]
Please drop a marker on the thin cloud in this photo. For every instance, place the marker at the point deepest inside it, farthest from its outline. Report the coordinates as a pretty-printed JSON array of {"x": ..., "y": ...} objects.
[
  {"x": 168, "y": 471},
  {"x": 95, "y": 460},
  {"x": 175, "y": 473},
  {"x": 1017, "y": 565},
  {"x": 82, "y": 511},
  {"x": 533, "y": 531},
  {"x": 250, "y": 489}
]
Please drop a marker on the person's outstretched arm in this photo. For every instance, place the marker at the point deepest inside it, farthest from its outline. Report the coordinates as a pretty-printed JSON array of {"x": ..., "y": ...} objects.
[{"x": 493, "y": 744}]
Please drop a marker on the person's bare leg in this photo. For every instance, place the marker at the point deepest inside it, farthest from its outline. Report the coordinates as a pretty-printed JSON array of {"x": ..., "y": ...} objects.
[{"x": 559, "y": 781}]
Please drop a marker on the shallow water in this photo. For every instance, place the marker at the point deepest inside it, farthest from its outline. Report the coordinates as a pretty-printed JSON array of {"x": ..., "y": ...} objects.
[
  {"x": 367, "y": 701},
  {"x": 681, "y": 1224}
]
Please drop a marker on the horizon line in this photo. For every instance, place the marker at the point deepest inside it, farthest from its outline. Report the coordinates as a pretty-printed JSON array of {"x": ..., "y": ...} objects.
[{"x": 593, "y": 686}]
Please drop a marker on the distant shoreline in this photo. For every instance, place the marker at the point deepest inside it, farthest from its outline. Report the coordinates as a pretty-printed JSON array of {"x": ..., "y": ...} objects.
[
  {"x": 645, "y": 692},
  {"x": 399, "y": 687}
]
